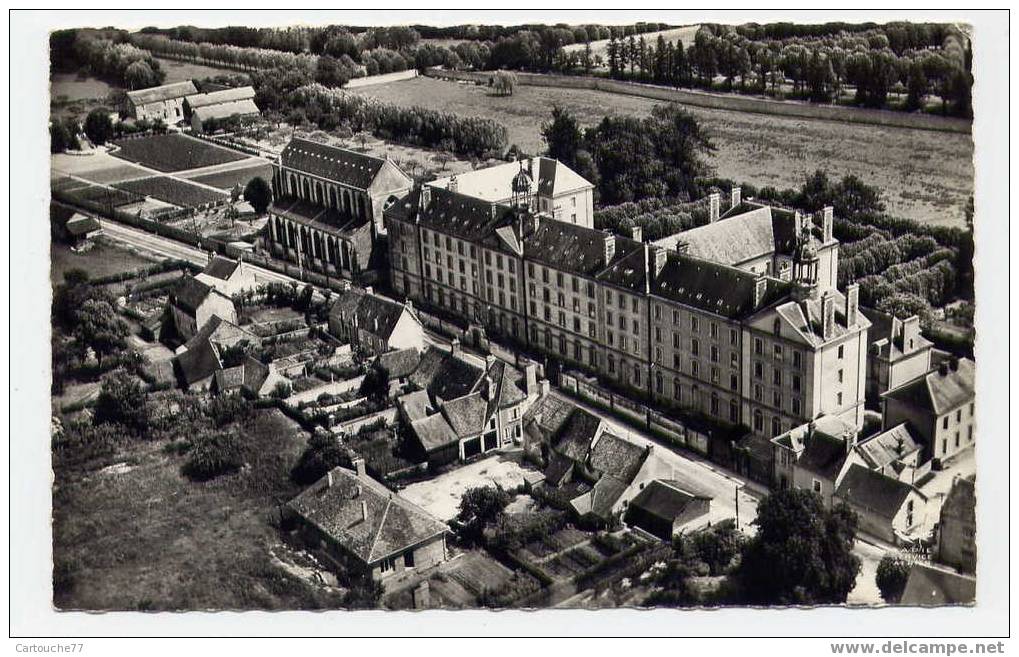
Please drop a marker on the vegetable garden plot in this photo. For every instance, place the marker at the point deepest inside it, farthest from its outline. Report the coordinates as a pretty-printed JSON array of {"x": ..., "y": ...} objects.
[
  {"x": 172, "y": 190},
  {"x": 174, "y": 152}
]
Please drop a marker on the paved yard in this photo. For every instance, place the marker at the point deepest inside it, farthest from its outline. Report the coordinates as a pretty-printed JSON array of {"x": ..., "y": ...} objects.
[{"x": 441, "y": 496}]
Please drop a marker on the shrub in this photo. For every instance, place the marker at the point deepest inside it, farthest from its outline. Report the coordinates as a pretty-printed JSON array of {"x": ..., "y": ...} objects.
[
  {"x": 892, "y": 573},
  {"x": 213, "y": 454}
]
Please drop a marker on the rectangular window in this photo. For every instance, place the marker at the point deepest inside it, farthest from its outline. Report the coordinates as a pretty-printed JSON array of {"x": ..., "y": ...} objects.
[
  {"x": 796, "y": 360},
  {"x": 758, "y": 346},
  {"x": 733, "y": 337},
  {"x": 842, "y": 351}
]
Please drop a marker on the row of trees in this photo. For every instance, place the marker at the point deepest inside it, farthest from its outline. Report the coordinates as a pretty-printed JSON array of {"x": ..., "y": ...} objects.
[
  {"x": 819, "y": 68},
  {"x": 469, "y": 136}
]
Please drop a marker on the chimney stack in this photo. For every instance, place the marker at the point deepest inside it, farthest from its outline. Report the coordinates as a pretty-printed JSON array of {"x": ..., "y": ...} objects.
[
  {"x": 714, "y": 206},
  {"x": 797, "y": 223},
  {"x": 489, "y": 361},
  {"x": 827, "y": 315},
  {"x": 682, "y": 247},
  {"x": 369, "y": 289},
  {"x": 359, "y": 467},
  {"x": 329, "y": 479},
  {"x": 454, "y": 347},
  {"x": 736, "y": 196},
  {"x": 943, "y": 369},
  {"x": 495, "y": 210},
  {"x": 610, "y": 247},
  {"x": 531, "y": 378},
  {"x": 452, "y": 183},
  {"x": 760, "y": 287},
  {"x": 910, "y": 334},
  {"x": 486, "y": 388},
  {"x": 852, "y": 304},
  {"x": 953, "y": 363},
  {"x": 636, "y": 233},
  {"x": 827, "y": 223},
  {"x": 661, "y": 256},
  {"x": 426, "y": 196}
]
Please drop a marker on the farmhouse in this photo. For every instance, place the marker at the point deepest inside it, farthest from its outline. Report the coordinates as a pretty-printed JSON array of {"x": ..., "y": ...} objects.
[
  {"x": 665, "y": 508},
  {"x": 328, "y": 204},
  {"x": 710, "y": 338},
  {"x": 165, "y": 102},
  {"x": 218, "y": 97},
  {"x": 81, "y": 229},
  {"x": 552, "y": 187},
  {"x": 362, "y": 525},
  {"x": 375, "y": 324},
  {"x": 193, "y": 303},
  {"x": 199, "y": 362},
  {"x": 208, "y": 117},
  {"x": 938, "y": 406}
]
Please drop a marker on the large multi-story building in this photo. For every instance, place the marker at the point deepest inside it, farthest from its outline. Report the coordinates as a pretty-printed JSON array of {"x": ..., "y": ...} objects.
[
  {"x": 737, "y": 345},
  {"x": 327, "y": 206}
]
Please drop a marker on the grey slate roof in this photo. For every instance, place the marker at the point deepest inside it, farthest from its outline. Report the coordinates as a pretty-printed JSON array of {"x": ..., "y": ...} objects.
[
  {"x": 331, "y": 162},
  {"x": 190, "y": 293},
  {"x": 161, "y": 93},
  {"x": 872, "y": 491},
  {"x": 939, "y": 393},
  {"x": 665, "y": 499},
  {"x": 389, "y": 524},
  {"x": 221, "y": 268},
  {"x": 229, "y": 95}
]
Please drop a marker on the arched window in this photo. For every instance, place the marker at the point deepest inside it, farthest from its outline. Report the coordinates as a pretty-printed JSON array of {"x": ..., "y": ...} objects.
[{"x": 776, "y": 427}]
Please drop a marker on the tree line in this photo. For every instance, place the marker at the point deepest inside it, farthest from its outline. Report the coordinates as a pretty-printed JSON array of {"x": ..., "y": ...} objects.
[
  {"x": 106, "y": 57},
  {"x": 820, "y": 68}
]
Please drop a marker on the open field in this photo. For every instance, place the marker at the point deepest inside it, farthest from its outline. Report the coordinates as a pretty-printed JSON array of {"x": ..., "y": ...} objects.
[
  {"x": 174, "y": 152},
  {"x": 171, "y": 190},
  {"x": 104, "y": 259},
  {"x": 923, "y": 175},
  {"x": 685, "y": 34},
  {"x": 180, "y": 71},
  {"x": 139, "y": 535}
]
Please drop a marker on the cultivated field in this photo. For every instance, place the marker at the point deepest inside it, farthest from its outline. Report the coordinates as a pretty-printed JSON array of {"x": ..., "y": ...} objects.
[
  {"x": 174, "y": 152},
  {"x": 181, "y": 71},
  {"x": 230, "y": 177},
  {"x": 923, "y": 175},
  {"x": 171, "y": 190}
]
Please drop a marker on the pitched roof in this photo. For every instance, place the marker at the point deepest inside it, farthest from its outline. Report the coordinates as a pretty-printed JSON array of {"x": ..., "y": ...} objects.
[
  {"x": 830, "y": 425},
  {"x": 229, "y": 378},
  {"x": 457, "y": 214},
  {"x": 331, "y": 162},
  {"x": 939, "y": 392},
  {"x": 415, "y": 405},
  {"x": 444, "y": 375},
  {"x": 81, "y": 224},
  {"x": 400, "y": 363},
  {"x": 872, "y": 491},
  {"x": 573, "y": 440},
  {"x": 190, "y": 293},
  {"x": 161, "y": 93},
  {"x": 221, "y": 332},
  {"x": 736, "y": 239},
  {"x": 805, "y": 318},
  {"x": 245, "y": 107},
  {"x": 492, "y": 184},
  {"x": 823, "y": 455},
  {"x": 467, "y": 415},
  {"x": 434, "y": 432},
  {"x": 228, "y": 95},
  {"x": 665, "y": 499},
  {"x": 364, "y": 517},
  {"x": 374, "y": 314},
  {"x": 549, "y": 412},
  {"x": 888, "y": 446},
  {"x": 574, "y": 248},
  {"x": 200, "y": 361},
  {"x": 612, "y": 455},
  {"x": 928, "y": 585},
  {"x": 221, "y": 268},
  {"x": 605, "y": 493},
  {"x": 713, "y": 287},
  {"x": 880, "y": 334}
]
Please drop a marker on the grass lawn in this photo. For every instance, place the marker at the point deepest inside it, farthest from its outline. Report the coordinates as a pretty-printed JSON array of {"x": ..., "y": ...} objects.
[
  {"x": 103, "y": 259},
  {"x": 174, "y": 152},
  {"x": 922, "y": 174},
  {"x": 139, "y": 535},
  {"x": 171, "y": 190}
]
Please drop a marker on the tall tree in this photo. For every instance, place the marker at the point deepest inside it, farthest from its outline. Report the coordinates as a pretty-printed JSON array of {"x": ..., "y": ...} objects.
[
  {"x": 99, "y": 126},
  {"x": 802, "y": 552},
  {"x": 258, "y": 194},
  {"x": 563, "y": 137}
]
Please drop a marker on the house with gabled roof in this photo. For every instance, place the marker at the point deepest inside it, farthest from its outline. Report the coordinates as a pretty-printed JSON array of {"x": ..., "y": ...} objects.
[
  {"x": 374, "y": 323},
  {"x": 939, "y": 406},
  {"x": 193, "y": 303},
  {"x": 165, "y": 102},
  {"x": 665, "y": 508},
  {"x": 898, "y": 352},
  {"x": 886, "y": 508},
  {"x": 224, "y": 274},
  {"x": 813, "y": 456},
  {"x": 360, "y": 524},
  {"x": 894, "y": 452},
  {"x": 328, "y": 204}
]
